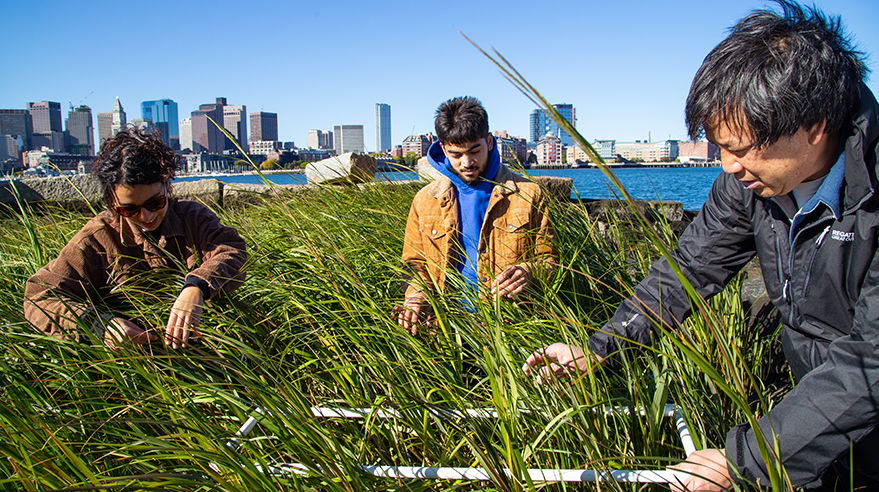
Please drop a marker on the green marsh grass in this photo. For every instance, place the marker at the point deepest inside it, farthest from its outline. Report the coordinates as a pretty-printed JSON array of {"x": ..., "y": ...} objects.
[{"x": 311, "y": 327}]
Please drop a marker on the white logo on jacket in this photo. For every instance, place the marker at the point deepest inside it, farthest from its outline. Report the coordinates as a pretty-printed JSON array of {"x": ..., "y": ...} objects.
[{"x": 842, "y": 236}]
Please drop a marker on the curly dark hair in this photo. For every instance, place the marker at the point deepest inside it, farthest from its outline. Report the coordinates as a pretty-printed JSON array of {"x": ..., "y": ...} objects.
[
  {"x": 134, "y": 157},
  {"x": 776, "y": 73}
]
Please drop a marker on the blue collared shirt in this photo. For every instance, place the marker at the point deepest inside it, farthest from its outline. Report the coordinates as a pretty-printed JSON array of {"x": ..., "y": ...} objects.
[{"x": 828, "y": 193}]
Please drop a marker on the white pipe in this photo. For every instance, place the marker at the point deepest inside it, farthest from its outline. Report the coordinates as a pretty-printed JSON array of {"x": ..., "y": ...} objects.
[
  {"x": 451, "y": 473},
  {"x": 535, "y": 474}
]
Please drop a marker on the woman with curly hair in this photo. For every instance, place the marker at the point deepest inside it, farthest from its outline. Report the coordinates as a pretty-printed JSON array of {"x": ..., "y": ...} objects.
[{"x": 132, "y": 247}]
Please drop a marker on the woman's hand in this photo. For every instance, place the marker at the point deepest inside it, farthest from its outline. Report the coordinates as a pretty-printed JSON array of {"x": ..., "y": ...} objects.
[
  {"x": 185, "y": 317},
  {"x": 119, "y": 331}
]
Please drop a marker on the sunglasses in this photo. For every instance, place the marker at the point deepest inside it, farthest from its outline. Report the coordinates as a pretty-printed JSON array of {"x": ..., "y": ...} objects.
[{"x": 154, "y": 204}]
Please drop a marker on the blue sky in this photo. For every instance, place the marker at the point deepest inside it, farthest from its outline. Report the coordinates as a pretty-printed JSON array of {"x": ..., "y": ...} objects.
[{"x": 626, "y": 65}]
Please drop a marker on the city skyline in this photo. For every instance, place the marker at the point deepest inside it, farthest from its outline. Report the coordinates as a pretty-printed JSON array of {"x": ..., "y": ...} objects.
[{"x": 625, "y": 66}]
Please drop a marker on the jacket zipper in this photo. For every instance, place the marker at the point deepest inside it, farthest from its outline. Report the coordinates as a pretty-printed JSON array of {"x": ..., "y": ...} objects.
[{"x": 818, "y": 243}]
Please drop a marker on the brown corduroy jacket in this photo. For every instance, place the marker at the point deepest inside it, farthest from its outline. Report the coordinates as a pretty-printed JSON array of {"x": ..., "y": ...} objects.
[
  {"x": 516, "y": 231},
  {"x": 107, "y": 253}
]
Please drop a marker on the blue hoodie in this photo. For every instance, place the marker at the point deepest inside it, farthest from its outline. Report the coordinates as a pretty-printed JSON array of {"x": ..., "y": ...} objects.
[{"x": 472, "y": 205}]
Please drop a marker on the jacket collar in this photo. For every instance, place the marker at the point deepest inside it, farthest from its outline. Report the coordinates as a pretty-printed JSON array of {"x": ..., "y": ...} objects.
[
  {"x": 861, "y": 178},
  {"x": 505, "y": 184}
]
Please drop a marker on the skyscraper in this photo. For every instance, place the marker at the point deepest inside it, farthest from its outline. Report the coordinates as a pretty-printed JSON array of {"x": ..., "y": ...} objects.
[
  {"x": 163, "y": 113},
  {"x": 382, "y": 127},
  {"x": 347, "y": 138},
  {"x": 185, "y": 134},
  {"x": 541, "y": 123},
  {"x": 206, "y": 136},
  {"x": 17, "y": 122},
  {"x": 47, "y": 130},
  {"x": 235, "y": 122},
  {"x": 80, "y": 131},
  {"x": 110, "y": 122},
  {"x": 46, "y": 116},
  {"x": 264, "y": 127}
]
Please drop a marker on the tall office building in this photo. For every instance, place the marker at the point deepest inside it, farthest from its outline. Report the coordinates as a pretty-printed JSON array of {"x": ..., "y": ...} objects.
[
  {"x": 541, "y": 123},
  {"x": 235, "y": 122},
  {"x": 110, "y": 122},
  {"x": 80, "y": 131},
  {"x": 46, "y": 130},
  {"x": 206, "y": 136},
  {"x": 163, "y": 114},
  {"x": 347, "y": 138},
  {"x": 264, "y": 127},
  {"x": 382, "y": 127},
  {"x": 17, "y": 122},
  {"x": 185, "y": 134},
  {"x": 45, "y": 116}
]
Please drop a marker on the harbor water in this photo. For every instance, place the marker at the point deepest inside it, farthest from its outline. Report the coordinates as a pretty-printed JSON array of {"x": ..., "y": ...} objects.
[{"x": 688, "y": 185}]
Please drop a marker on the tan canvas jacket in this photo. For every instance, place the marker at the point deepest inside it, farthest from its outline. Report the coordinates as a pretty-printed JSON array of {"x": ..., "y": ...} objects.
[
  {"x": 516, "y": 231},
  {"x": 107, "y": 253}
]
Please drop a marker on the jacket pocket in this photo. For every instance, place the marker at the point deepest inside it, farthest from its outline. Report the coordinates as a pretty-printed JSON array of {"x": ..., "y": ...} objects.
[{"x": 510, "y": 239}]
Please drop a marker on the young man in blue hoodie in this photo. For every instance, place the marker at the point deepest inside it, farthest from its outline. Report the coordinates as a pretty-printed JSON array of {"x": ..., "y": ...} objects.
[{"x": 479, "y": 222}]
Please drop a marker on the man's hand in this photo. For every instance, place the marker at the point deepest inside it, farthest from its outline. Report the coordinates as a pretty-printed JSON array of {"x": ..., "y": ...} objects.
[
  {"x": 119, "y": 331},
  {"x": 707, "y": 471},
  {"x": 185, "y": 317},
  {"x": 511, "y": 282},
  {"x": 408, "y": 315},
  {"x": 562, "y": 360}
]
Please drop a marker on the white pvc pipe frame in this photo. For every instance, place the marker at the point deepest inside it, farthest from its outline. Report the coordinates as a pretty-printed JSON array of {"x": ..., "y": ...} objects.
[{"x": 453, "y": 473}]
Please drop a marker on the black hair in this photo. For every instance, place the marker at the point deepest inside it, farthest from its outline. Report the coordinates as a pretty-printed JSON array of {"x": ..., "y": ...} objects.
[
  {"x": 461, "y": 120},
  {"x": 776, "y": 73},
  {"x": 133, "y": 157}
]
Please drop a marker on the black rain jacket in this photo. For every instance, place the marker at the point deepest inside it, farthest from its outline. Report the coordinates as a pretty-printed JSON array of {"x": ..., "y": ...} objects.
[{"x": 824, "y": 282}]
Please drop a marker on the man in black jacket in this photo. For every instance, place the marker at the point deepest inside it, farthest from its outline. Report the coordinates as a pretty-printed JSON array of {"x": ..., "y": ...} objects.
[{"x": 798, "y": 131}]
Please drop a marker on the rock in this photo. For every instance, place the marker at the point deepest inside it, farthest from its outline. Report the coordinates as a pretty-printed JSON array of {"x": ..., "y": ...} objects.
[
  {"x": 608, "y": 210},
  {"x": 426, "y": 171},
  {"x": 207, "y": 191},
  {"x": 57, "y": 188},
  {"x": 346, "y": 168},
  {"x": 556, "y": 187}
]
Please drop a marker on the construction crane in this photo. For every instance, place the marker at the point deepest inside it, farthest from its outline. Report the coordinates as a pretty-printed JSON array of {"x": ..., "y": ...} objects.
[{"x": 81, "y": 100}]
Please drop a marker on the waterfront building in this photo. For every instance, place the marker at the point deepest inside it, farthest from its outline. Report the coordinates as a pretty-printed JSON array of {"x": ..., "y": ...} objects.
[
  {"x": 607, "y": 149},
  {"x": 206, "y": 136},
  {"x": 80, "y": 131},
  {"x": 576, "y": 154},
  {"x": 265, "y": 147},
  {"x": 163, "y": 114},
  {"x": 644, "y": 151},
  {"x": 110, "y": 122},
  {"x": 382, "y": 127},
  {"x": 235, "y": 122},
  {"x": 697, "y": 151},
  {"x": 59, "y": 161},
  {"x": 313, "y": 155},
  {"x": 549, "y": 151},
  {"x": 17, "y": 122},
  {"x": 398, "y": 151},
  {"x": 417, "y": 144},
  {"x": 263, "y": 126},
  {"x": 541, "y": 123},
  {"x": 185, "y": 127},
  {"x": 348, "y": 138},
  {"x": 513, "y": 150}
]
